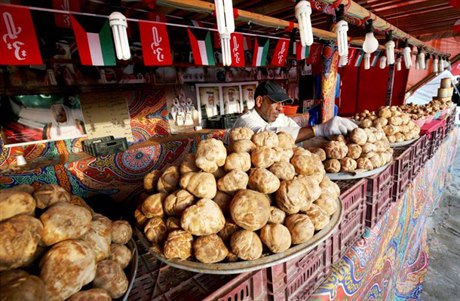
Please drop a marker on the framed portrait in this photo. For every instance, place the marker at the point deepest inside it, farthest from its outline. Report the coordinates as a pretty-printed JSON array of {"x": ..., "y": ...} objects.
[
  {"x": 210, "y": 100},
  {"x": 232, "y": 97},
  {"x": 248, "y": 94},
  {"x": 29, "y": 119}
]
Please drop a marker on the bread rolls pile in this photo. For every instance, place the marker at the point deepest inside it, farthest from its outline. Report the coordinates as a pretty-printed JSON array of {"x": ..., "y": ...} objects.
[
  {"x": 397, "y": 125},
  {"x": 64, "y": 242},
  {"x": 419, "y": 111},
  {"x": 262, "y": 195},
  {"x": 363, "y": 150}
]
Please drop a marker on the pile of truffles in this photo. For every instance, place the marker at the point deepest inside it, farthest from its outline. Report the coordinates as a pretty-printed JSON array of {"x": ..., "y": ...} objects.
[
  {"x": 53, "y": 244},
  {"x": 420, "y": 111},
  {"x": 260, "y": 196},
  {"x": 397, "y": 125},
  {"x": 363, "y": 150}
]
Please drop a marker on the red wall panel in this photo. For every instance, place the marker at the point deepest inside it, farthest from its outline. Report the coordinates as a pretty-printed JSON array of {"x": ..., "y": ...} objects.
[
  {"x": 367, "y": 89},
  {"x": 372, "y": 88}
]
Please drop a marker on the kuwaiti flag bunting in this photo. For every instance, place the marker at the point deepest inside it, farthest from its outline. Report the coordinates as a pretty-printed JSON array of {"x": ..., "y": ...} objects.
[
  {"x": 95, "y": 46},
  {"x": 259, "y": 58},
  {"x": 19, "y": 45},
  {"x": 237, "y": 49},
  {"x": 156, "y": 49},
  {"x": 301, "y": 52},
  {"x": 375, "y": 58},
  {"x": 201, "y": 43},
  {"x": 281, "y": 52},
  {"x": 359, "y": 58}
]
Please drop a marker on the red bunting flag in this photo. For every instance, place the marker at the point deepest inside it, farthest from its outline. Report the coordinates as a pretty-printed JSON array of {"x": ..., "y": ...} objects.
[
  {"x": 19, "y": 45},
  {"x": 316, "y": 49},
  {"x": 63, "y": 20},
  {"x": 281, "y": 51},
  {"x": 155, "y": 44},
  {"x": 237, "y": 48}
]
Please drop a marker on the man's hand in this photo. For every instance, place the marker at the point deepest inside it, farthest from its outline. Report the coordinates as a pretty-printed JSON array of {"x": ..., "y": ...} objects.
[{"x": 335, "y": 126}]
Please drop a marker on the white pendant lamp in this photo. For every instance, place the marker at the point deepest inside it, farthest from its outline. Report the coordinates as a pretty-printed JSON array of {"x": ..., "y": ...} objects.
[
  {"x": 421, "y": 58},
  {"x": 367, "y": 61},
  {"x": 390, "y": 48},
  {"x": 398, "y": 64},
  {"x": 383, "y": 62},
  {"x": 225, "y": 26},
  {"x": 427, "y": 61},
  {"x": 435, "y": 64},
  {"x": 302, "y": 14},
  {"x": 119, "y": 25},
  {"x": 341, "y": 29},
  {"x": 370, "y": 42},
  {"x": 343, "y": 61},
  {"x": 407, "y": 55}
]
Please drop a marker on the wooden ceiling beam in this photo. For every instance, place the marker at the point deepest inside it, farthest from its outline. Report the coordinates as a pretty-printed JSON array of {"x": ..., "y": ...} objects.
[
  {"x": 357, "y": 11},
  {"x": 246, "y": 16}
]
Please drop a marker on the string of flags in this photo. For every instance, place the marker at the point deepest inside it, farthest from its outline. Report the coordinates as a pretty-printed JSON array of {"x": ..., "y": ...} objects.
[{"x": 19, "y": 43}]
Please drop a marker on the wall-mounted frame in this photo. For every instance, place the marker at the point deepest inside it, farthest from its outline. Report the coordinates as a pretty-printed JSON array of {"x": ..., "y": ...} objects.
[{"x": 225, "y": 98}]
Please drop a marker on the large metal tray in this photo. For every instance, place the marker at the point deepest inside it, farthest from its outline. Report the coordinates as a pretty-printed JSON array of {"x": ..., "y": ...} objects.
[
  {"x": 131, "y": 270},
  {"x": 263, "y": 262},
  {"x": 404, "y": 143},
  {"x": 357, "y": 175}
]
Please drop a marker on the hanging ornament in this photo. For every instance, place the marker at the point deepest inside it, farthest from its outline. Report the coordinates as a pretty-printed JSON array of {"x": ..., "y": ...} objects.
[
  {"x": 119, "y": 25},
  {"x": 225, "y": 26}
]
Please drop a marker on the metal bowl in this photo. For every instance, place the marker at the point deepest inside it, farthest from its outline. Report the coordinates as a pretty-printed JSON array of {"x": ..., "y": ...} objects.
[{"x": 263, "y": 262}]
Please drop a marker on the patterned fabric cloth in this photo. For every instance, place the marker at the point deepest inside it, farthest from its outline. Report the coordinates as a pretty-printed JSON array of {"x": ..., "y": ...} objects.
[{"x": 391, "y": 261}]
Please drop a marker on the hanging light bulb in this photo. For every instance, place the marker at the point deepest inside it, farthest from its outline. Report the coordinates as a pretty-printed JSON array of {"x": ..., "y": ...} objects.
[
  {"x": 302, "y": 14},
  {"x": 225, "y": 26},
  {"x": 119, "y": 25},
  {"x": 421, "y": 58},
  {"x": 367, "y": 61},
  {"x": 407, "y": 55},
  {"x": 343, "y": 61},
  {"x": 398, "y": 64},
  {"x": 341, "y": 29},
  {"x": 370, "y": 42},
  {"x": 441, "y": 64},
  {"x": 417, "y": 65},
  {"x": 427, "y": 60},
  {"x": 383, "y": 62},
  {"x": 435, "y": 64},
  {"x": 390, "y": 48}
]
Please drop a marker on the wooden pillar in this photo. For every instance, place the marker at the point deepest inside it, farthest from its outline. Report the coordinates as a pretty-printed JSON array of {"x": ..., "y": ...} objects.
[
  {"x": 330, "y": 62},
  {"x": 390, "y": 83}
]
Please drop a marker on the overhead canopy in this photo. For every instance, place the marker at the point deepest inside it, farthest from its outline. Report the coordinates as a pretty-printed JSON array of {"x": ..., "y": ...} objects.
[{"x": 421, "y": 19}]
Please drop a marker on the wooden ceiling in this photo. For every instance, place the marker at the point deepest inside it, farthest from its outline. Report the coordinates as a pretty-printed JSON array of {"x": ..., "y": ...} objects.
[{"x": 423, "y": 19}]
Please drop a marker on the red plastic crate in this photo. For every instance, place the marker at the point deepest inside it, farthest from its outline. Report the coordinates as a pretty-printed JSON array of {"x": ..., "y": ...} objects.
[
  {"x": 418, "y": 152},
  {"x": 352, "y": 194},
  {"x": 401, "y": 182},
  {"x": 402, "y": 157},
  {"x": 379, "y": 183},
  {"x": 247, "y": 286},
  {"x": 158, "y": 281},
  {"x": 352, "y": 226},
  {"x": 377, "y": 207},
  {"x": 298, "y": 278}
]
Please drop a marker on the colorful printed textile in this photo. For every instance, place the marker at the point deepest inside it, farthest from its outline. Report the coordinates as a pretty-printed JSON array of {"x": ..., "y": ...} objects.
[{"x": 391, "y": 261}]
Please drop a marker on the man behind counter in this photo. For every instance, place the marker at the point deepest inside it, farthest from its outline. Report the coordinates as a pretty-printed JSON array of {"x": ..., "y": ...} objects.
[{"x": 267, "y": 115}]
